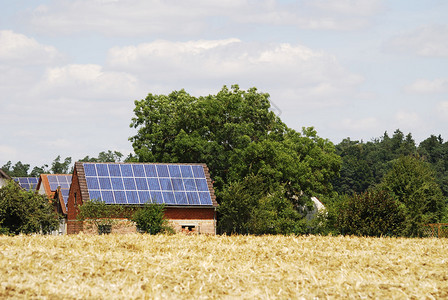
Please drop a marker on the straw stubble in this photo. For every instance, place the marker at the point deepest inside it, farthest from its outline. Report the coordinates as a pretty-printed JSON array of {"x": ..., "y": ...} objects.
[{"x": 203, "y": 267}]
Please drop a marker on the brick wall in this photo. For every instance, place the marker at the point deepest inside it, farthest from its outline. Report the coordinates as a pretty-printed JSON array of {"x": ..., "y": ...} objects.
[
  {"x": 74, "y": 200},
  {"x": 177, "y": 213}
]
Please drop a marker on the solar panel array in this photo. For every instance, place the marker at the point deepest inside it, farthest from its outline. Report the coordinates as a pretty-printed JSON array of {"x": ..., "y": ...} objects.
[
  {"x": 64, "y": 181},
  {"x": 28, "y": 183},
  {"x": 142, "y": 183}
]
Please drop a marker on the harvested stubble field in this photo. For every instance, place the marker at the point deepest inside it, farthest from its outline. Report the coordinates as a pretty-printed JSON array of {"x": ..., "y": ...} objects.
[{"x": 242, "y": 267}]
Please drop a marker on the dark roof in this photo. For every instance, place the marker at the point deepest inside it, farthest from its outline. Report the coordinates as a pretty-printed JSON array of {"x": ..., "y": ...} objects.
[
  {"x": 27, "y": 183},
  {"x": 51, "y": 182},
  {"x": 4, "y": 175},
  {"x": 138, "y": 183}
]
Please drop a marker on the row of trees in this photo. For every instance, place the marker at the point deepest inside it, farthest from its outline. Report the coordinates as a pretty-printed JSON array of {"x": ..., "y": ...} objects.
[
  {"x": 265, "y": 172},
  {"x": 364, "y": 164},
  {"x": 58, "y": 166}
]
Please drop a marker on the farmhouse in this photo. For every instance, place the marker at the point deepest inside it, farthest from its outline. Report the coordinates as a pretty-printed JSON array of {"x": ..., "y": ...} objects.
[{"x": 185, "y": 189}]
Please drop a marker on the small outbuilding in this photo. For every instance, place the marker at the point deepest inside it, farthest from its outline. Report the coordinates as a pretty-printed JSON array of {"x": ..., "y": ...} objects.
[{"x": 186, "y": 190}]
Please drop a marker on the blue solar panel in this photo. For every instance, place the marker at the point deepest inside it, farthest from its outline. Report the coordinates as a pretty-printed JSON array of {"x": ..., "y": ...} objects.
[
  {"x": 114, "y": 170},
  {"x": 139, "y": 171},
  {"x": 181, "y": 198},
  {"x": 174, "y": 171},
  {"x": 168, "y": 197},
  {"x": 27, "y": 183},
  {"x": 107, "y": 196},
  {"x": 178, "y": 184},
  {"x": 141, "y": 183},
  {"x": 120, "y": 197},
  {"x": 186, "y": 171},
  {"x": 198, "y": 171},
  {"x": 190, "y": 185},
  {"x": 132, "y": 197},
  {"x": 126, "y": 171},
  {"x": 105, "y": 183},
  {"x": 129, "y": 184},
  {"x": 102, "y": 170},
  {"x": 90, "y": 170},
  {"x": 162, "y": 171},
  {"x": 153, "y": 184},
  {"x": 201, "y": 184},
  {"x": 165, "y": 184},
  {"x": 144, "y": 196},
  {"x": 52, "y": 178},
  {"x": 193, "y": 198},
  {"x": 150, "y": 171},
  {"x": 117, "y": 183},
  {"x": 156, "y": 197},
  {"x": 92, "y": 183},
  {"x": 95, "y": 195},
  {"x": 65, "y": 194},
  {"x": 205, "y": 198}
]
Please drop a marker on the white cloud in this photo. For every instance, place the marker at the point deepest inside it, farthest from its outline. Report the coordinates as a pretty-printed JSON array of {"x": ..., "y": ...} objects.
[
  {"x": 19, "y": 50},
  {"x": 406, "y": 119},
  {"x": 424, "y": 86},
  {"x": 442, "y": 109},
  {"x": 272, "y": 66},
  {"x": 8, "y": 153},
  {"x": 349, "y": 7},
  {"x": 87, "y": 81},
  {"x": 359, "y": 125},
  {"x": 430, "y": 40},
  {"x": 183, "y": 18}
]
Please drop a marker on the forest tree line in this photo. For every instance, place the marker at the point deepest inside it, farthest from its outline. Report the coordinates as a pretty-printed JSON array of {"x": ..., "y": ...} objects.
[{"x": 265, "y": 172}]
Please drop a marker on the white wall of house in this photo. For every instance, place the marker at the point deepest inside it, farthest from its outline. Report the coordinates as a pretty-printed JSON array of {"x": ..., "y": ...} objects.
[{"x": 2, "y": 181}]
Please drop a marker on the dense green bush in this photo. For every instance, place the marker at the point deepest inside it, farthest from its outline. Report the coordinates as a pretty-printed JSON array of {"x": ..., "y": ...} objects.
[
  {"x": 254, "y": 206},
  {"x": 151, "y": 219},
  {"x": 412, "y": 182},
  {"x": 373, "y": 213},
  {"x": 25, "y": 211},
  {"x": 100, "y": 214}
]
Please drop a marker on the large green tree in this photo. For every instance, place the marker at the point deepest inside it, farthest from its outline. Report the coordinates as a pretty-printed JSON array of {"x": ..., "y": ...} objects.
[
  {"x": 104, "y": 156},
  {"x": 412, "y": 182},
  {"x": 25, "y": 211},
  {"x": 373, "y": 213},
  {"x": 365, "y": 163},
  {"x": 17, "y": 170},
  {"x": 434, "y": 151},
  {"x": 237, "y": 135}
]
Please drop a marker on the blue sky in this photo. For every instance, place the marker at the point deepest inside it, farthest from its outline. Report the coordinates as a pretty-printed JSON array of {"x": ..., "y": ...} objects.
[{"x": 71, "y": 70}]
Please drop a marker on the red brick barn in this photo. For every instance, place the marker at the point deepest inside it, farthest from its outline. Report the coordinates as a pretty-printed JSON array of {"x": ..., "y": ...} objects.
[{"x": 185, "y": 189}]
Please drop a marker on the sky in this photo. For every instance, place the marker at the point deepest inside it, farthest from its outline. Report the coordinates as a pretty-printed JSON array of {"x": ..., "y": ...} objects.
[{"x": 70, "y": 71}]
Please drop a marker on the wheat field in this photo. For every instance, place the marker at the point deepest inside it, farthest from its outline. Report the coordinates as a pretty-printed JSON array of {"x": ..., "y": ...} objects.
[{"x": 136, "y": 266}]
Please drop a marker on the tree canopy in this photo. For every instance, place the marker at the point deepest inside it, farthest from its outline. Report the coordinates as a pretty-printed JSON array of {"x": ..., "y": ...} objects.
[
  {"x": 25, "y": 211},
  {"x": 413, "y": 184},
  {"x": 237, "y": 135}
]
